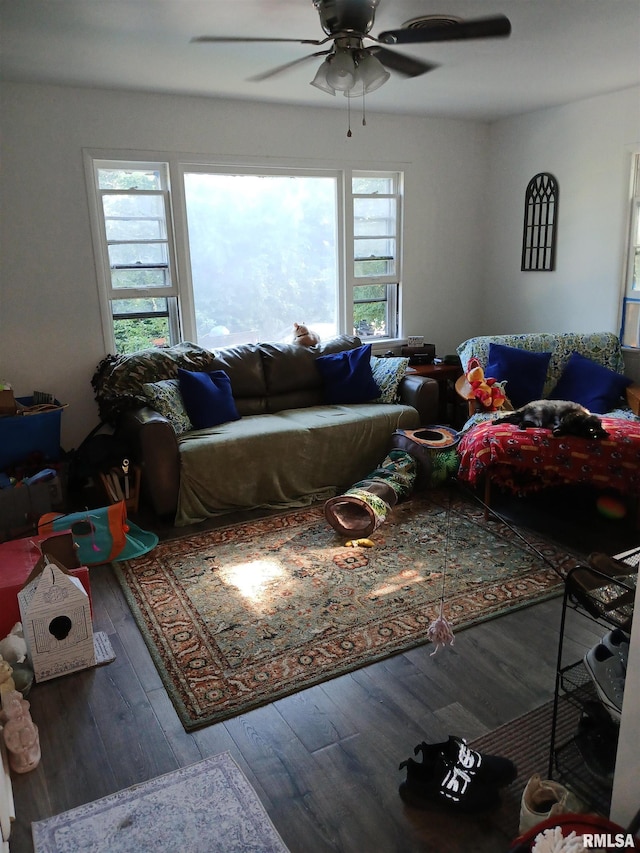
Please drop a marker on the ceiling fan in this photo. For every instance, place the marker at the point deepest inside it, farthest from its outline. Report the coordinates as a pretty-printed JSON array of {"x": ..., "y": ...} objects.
[{"x": 354, "y": 69}]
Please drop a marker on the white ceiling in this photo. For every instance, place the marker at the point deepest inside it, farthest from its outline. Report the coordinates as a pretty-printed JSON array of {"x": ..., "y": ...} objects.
[{"x": 559, "y": 51}]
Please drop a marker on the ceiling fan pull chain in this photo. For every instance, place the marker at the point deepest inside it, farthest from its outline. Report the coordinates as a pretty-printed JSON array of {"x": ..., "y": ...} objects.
[
  {"x": 364, "y": 110},
  {"x": 349, "y": 134}
]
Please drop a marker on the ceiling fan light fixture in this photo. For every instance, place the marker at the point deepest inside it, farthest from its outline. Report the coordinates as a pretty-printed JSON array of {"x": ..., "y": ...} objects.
[
  {"x": 341, "y": 71},
  {"x": 320, "y": 80},
  {"x": 370, "y": 75}
]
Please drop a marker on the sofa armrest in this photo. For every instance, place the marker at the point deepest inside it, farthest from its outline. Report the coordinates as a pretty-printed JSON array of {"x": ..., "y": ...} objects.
[
  {"x": 633, "y": 398},
  {"x": 154, "y": 447},
  {"x": 422, "y": 393}
]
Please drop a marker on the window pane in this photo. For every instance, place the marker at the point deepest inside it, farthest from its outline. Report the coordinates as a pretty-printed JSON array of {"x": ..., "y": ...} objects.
[
  {"x": 138, "y": 254},
  {"x": 263, "y": 255},
  {"x": 374, "y": 216},
  {"x": 631, "y": 335},
  {"x": 134, "y": 217},
  {"x": 374, "y": 257},
  {"x": 139, "y": 306},
  {"x": 370, "y": 313},
  {"x": 139, "y": 278},
  {"x": 372, "y": 185},
  {"x": 129, "y": 179},
  {"x": 136, "y": 334},
  {"x": 146, "y": 326}
]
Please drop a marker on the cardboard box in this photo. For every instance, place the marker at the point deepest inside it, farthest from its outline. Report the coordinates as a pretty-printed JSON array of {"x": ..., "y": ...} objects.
[{"x": 56, "y": 620}]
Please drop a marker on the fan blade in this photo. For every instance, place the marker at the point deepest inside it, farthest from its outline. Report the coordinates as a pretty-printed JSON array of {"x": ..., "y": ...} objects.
[
  {"x": 479, "y": 28},
  {"x": 408, "y": 66},
  {"x": 266, "y": 74},
  {"x": 232, "y": 39}
]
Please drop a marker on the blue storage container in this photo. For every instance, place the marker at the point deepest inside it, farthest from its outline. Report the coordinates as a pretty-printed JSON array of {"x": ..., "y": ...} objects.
[{"x": 21, "y": 435}]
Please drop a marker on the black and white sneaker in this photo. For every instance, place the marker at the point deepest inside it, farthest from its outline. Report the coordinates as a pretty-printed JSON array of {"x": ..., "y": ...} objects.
[
  {"x": 606, "y": 672},
  {"x": 489, "y": 769},
  {"x": 450, "y": 781}
]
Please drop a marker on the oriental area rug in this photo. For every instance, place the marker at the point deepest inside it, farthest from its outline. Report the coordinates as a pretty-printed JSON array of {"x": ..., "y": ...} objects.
[
  {"x": 242, "y": 615},
  {"x": 201, "y": 808}
]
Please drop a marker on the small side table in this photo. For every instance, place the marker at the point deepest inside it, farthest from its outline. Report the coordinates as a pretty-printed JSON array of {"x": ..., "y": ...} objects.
[{"x": 445, "y": 375}]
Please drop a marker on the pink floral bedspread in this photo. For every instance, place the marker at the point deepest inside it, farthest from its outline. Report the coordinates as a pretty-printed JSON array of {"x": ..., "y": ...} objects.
[{"x": 528, "y": 460}]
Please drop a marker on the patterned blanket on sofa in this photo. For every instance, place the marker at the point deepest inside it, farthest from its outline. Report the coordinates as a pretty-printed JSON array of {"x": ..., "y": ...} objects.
[{"x": 529, "y": 460}]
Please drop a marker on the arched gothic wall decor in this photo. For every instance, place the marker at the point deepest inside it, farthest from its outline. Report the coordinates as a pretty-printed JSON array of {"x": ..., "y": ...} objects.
[{"x": 540, "y": 223}]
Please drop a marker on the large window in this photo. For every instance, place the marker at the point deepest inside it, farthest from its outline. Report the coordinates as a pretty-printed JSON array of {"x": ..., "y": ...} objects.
[
  {"x": 631, "y": 301},
  {"x": 234, "y": 256},
  {"x": 264, "y": 254}
]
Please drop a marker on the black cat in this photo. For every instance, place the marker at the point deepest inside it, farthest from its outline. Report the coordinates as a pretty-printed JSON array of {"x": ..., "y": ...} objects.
[{"x": 560, "y": 416}]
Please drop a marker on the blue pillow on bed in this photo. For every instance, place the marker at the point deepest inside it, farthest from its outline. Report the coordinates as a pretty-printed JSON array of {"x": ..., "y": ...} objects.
[
  {"x": 593, "y": 386},
  {"x": 207, "y": 398},
  {"x": 348, "y": 377},
  {"x": 525, "y": 372}
]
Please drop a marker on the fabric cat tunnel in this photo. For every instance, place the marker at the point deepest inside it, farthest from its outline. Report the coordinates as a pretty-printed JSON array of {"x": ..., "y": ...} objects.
[
  {"x": 423, "y": 457},
  {"x": 363, "y": 508}
]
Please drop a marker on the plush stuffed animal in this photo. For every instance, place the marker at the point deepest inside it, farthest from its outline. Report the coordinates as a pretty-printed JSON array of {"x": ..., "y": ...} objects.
[
  {"x": 304, "y": 337},
  {"x": 486, "y": 390},
  {"x": 7, "y": 684},
  {"x": 13, "y": 647}
]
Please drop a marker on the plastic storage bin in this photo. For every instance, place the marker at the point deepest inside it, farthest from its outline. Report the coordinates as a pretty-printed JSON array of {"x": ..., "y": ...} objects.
[{"x": 22, "y": 435}]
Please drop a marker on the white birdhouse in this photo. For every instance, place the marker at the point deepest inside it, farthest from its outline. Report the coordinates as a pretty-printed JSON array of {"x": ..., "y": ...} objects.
[{"x": 56, "y": 620}]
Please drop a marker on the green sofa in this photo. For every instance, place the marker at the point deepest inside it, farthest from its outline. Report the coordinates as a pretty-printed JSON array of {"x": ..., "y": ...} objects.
[{"x": 288, "y": 448}]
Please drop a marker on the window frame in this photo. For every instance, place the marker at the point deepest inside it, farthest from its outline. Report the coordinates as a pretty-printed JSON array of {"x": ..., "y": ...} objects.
[
  {"x": 187, "y": 165},
  {"x": 393, "y": 281},
  {"x": 630, "y": 336},
  {"x": 181, "y": 308},
  {"x": 107, "y": 293}
]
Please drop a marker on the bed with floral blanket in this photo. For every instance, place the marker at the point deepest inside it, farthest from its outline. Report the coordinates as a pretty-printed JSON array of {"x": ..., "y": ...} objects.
[{"x": 588, "y": 367}]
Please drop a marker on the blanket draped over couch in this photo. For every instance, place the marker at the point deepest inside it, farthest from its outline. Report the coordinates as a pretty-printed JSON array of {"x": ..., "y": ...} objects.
[
  {"x": 287, "y": 446},
  {"x": 528, "y": 460}
]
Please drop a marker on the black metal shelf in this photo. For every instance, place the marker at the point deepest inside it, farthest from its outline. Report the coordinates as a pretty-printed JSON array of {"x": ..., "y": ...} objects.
[{"x": 608, "y": 605}]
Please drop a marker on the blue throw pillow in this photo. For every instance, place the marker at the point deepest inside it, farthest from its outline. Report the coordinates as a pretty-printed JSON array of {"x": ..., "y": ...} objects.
[
  {"x": 524, "y": 371},
  {"x": 207, "y": 398},
  {"x": 348, "y": 377},
  {"x": 593, "y": 386}
]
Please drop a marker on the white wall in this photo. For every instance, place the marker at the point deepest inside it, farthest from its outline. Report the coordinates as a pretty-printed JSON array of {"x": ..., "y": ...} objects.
[
  {"x": 50, "y": 332},
  {"x": 587, "y": 146},
  {"x": 464, "y": 206}
]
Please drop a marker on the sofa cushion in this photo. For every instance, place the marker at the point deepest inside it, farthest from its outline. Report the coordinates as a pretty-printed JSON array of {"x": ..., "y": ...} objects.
[
  {"x": 523, "y": 371},
  {"x": 165, "y": 397},
  {"x": 593, "y": 386},
  {"x": 298, "y": 456},
  {"x": 348, "y": 377},
  {"x": 207, "y": 397},
  {"x": 292, "y": 378},
  {"x": 388, "y": 374}
]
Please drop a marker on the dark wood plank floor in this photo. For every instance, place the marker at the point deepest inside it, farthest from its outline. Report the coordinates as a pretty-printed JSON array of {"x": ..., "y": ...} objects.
[{"x": 325, "y": 761}]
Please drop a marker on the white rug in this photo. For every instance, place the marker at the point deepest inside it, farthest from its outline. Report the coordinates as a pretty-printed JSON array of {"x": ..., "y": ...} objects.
[{"x": 208, "y": 807}]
